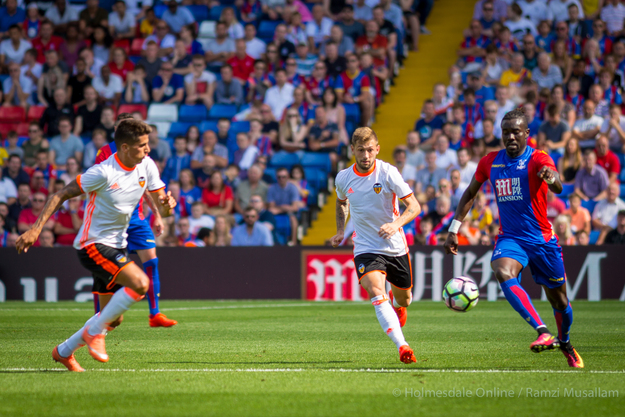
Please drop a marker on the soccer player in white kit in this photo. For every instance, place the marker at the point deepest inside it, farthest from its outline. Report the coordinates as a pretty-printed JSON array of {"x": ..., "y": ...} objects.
[
  {"x": 373, "y": 188},
  {"x": 115, "y": 187}
]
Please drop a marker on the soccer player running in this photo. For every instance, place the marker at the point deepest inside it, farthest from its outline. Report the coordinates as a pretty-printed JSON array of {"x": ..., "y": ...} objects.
[
  {"x": 380, "y": 250},
  {"x": 114, "y": 187},
  {"x": 140, "y": 241},
  {"x": 521, "y": 176}
]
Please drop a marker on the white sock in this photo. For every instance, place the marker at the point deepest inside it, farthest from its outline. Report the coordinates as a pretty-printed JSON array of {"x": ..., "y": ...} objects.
[
  {"x": 397, "y": 305},
  {"x": 74, "y": 342},
  {"x": 123, "y": 299},
  {"x": 388, "y": 320}
]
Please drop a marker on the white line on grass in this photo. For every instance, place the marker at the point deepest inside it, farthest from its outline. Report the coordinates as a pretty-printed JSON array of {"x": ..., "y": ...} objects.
[{"x": 367, "y": 370}]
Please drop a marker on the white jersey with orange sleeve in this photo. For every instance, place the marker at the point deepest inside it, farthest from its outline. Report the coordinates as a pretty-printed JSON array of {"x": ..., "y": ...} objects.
[
  {"x": 114, "y": 191},
  {"x": 373, "y": 201}
]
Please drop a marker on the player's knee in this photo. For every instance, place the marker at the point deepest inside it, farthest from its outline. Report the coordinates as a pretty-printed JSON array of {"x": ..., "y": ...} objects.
[
  {"x": 141, "y": 284},
  {"x": 503, "y": 275}
]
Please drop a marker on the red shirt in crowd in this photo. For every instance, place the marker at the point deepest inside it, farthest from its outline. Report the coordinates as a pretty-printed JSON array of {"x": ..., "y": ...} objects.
[
  {"x": 554, "y": 208},
  {"x": 64, "y": 218},
  {"x": 380, "y": 42},
  {"x": 54, "y": 45},
  {"x": 123, "y": 72},
  {"x": 242, "y": 68},
  {"x": 28, "y": 217},
  {"x": 609, "y": 162},
  {"x": 212, "y": 199}
]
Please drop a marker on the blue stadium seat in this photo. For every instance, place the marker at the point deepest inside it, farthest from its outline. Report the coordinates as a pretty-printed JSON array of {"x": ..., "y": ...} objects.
[
  {"x": 159, "y": 10},
  {"x": 622, "y": 191},
  {"x": 312, "y": 178},
  {"x": 352, "y": 112},
  {"x": 312, "y": 195},
  {"x": 271, "y": 172},
  {"x": 135, "y": 59},
  {"x": 179, "y": 129},
  {"x": 208, "y": 125},
  {"x": 283, "y": 228},
  {"x": 567, "y": 190},
  {"x": 284, "y": 159},
  {"x": 194, "y": 114},
  {"x": 317, "y": 160},
  {"x": 199, "y": 12},
  {"x": 594, "y": 235},
  {"x": 589, "y": 205},
  {"x": 238, "y": 127},
  {"x": 215, "y": 12},
  {"x": 267, "y": 28},
  {"x": 555, "y": 156},
  {"x": 222, "y": 110}
]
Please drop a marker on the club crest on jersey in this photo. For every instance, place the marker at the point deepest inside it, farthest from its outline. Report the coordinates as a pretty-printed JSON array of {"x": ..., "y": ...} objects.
[
  {"x": 142, "y": 181},
  {"x": 361, "y": 268},
  {"x": 120, "y": 258},
  {"x": 377, "y": 187},
  {"x": 521, "y": 164}
]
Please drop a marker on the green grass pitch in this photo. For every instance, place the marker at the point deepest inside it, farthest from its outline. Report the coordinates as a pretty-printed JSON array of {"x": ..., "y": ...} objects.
[{"x": 294, "y": 358}]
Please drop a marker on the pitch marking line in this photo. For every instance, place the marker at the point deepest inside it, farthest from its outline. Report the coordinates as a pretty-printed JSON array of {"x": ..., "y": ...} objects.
[{"x": 367, "y": 370}]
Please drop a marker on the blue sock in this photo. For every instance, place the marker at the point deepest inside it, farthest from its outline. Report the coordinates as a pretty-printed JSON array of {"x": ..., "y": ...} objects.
[
  {"x": 520, "y": 301},
  {"x": 151, "y": 270},
  {"x": 564, "y": 319},
  {"x": 96, "y": 303}
]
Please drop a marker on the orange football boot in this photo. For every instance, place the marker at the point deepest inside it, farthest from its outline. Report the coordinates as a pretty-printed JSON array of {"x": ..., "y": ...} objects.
[
  {"x": 406, "y": 355},
  {"x": 96, "y": 345},
  {"x": 159, "y": 320},
  {"x": 70, "y": 363},
  {"x": 401, "y": 312}
]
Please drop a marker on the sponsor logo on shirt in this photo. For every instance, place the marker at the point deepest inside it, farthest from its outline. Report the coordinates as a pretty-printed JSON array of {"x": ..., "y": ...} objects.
[
  {"x": 556, "y": 279},
  {"x": 377, "y": 187},
  {"x": 350, "y": 191},
  {"x": 521, "y": 164},
  {"x": 498, "y": 166},
  {"x": 114, "y": 187},
  {"x": 508, "y": 189}
]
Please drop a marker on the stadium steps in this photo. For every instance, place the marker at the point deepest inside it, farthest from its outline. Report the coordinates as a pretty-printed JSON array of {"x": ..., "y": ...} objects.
[{"x": 397, "y": 116}]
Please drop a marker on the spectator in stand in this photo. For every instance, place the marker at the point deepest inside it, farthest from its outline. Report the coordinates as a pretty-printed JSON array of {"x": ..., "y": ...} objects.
[
  {"x": 514, "y": 76},
  {"x": 304, "y": 61},
  {"x": 120, "y": 64},
  {"x": 167, "y": 87},
  {"x": 407, "y": 171},
  {"x": 335, "y": 63},
  {"x": 10, "y": 15},
  {"x": 296, "y": 30},
  {"x": 351, "y": 19},
  {"x": 580, "y": 216},
  {"x": 73, "y": 171},
  {"x": 442, "y": 103},
  {"x": 14, "y": 48},
  {"x": 604, "y": 216},
  {"x": 344, "y": 43},
  {"x": 616, "y": 236},
  {"x": 150, "y": 62},
  {"x": 50, "y": 81},
  {"x": 60, "y": 15},
  {"x": 189, "y": 192},
  {"x": 234, "y": 28},
  {"x": 28, "y": 216},
  {"x": 210, "y": 146},
  {"x": 163, "y": 40},
  {"x": 32, "y": 22},
  {"x": 280, "y": 96},
  {"x": 445, "y": 157},
  {"x": 259, "y": 82},
  {"x": 570, "y": 162},
  {"x": 456, "y": 187},
  {"x": 220, "y": 49},
  {"x": 562, "y": 229},
  {"x": 223, "y": 237},
  {"x": 591, "y": 182},
  {"x": 179, "y": 161},
  {"x": 65, "y": 144},
  {"x": 17, "y": 88},
  {"x": 46, "y": 41},
  {"x": 614, "y": 128},
  {"x": 252, "y": 232},
  {"x": 566, "y": 109},
  {"x": 46, "y": 239},
  {"x": 199, "y": 219},
  {"x": 518, "y": 24},
  {"x": 284, "y": 47},
  {"x": 554, "y": 131},
  {"x": 68, "y": 221},
  {"x": 30, "y": 67},
  {"x": 8, "y": 191},
  {"x": 466, "y": 167},
  {"x": 293, "y": 132},
  {"x": 414, "y": 155},
  {"x": 203, "y": 173},
  {"x": 137, "y": 87},
  {"x": 54, "y": 112},
  {"x": 23, "y": 202},
  {"x": 92, "y": 16},
  {"x": 595, "y": 94},
  {"x": 242, "y": 64},
  {"x": 101, "y": 42},
  {"x": 255, "y": 47},
  {"x": 357, "y": 89},
  {"x": 259, "y": 139},
  {"x": 89, "y": 114},
  {"x": 283, "y": 199},
  {"x": 177, "y": 17},
  {"x": 546, "y": 74},
  {"x": 218, "y": 197},
  {"x": 607, "y": 159},
  {"x": 613, "y": 14},
  {"x": 77, "y": 83},
  {"x": 47, "y": 171},
  {"x": 323, "y": 136},
  {"x": 586, "y": 129},
  {"x": 376, "y": 45},
  {"x": 253, "y": 185},
  {"x": 318, "y": 29},
  {"x": 228, "y": 90},
  {"x": 473, "y": 48},
  {"x": 430, "y": 125},
  {"x": 98, "y": 140},
  {"x": 431, "y": 174},
  {"x": 224, "y": 136},
  {"x": 109, "y": 87},
  {"x": 107, "y": 123},
  {"x": 121, "y": 23},
  {"x": 246, "y": 153},
  {"x": 555, "y": 206},
  {"x": 12, "y": 148},
  {"x": 183, "y": 232},
  {"x": 34, "y": 144}
]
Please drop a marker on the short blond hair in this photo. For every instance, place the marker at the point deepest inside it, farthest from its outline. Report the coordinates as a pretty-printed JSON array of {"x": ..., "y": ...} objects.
[{"x": 362, "y": 135}]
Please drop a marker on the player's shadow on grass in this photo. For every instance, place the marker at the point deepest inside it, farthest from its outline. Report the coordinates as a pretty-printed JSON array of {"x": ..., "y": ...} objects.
[{"x": 256, "y": 363}]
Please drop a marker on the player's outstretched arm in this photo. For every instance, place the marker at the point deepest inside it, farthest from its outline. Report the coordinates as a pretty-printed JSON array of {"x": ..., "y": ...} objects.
[
  {"x": 342, "y": 210},
  {"x": 28, "y": 238},
  {"x": 164, "y": 202},
  {"x": 465, "y": 204},
  {"x": 413, "y": 208},
  {"x": 158, "y": 220},
  {"x": 552, "y": 178}
]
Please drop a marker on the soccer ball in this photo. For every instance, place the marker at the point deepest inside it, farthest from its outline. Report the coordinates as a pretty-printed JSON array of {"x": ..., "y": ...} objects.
[{"x": 461, "y": 294}]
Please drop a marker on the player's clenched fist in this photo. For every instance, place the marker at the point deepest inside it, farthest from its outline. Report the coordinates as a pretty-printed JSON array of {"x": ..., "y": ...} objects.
[
  {"x": 451, "y": 244},
  {"x": 168, "y": 201},
  {"x": 25, "y": 241},
  {"x": 387, "y": 230},
  {"x": 547, "y": 175},
  {"x": 337, "y": 239}
]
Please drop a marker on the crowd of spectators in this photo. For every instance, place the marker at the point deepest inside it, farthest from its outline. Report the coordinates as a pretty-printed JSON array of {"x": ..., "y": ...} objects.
[
  {"x": 299, "y": 76},
  {"x": 563, "y": 64}
]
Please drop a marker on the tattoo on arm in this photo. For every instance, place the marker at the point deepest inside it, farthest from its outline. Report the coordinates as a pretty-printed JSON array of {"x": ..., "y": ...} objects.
[{"x": 342, "y": 209}]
